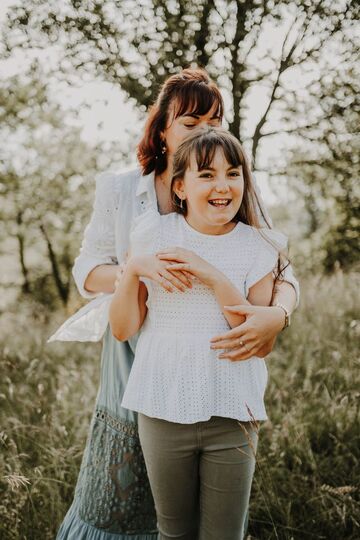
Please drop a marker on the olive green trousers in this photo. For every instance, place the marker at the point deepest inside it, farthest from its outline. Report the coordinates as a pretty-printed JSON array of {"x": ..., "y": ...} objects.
[{"x": 200, "y": 476}]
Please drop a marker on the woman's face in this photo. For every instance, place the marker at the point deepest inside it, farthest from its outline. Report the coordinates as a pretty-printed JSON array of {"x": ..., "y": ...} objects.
[
  {"x": 179, "y": 128},
  {"x": 213, "y": 196}
]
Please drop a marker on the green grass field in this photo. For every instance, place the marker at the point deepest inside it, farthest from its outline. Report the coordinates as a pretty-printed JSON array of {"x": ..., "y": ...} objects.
[{"x": 306, "y": 482}]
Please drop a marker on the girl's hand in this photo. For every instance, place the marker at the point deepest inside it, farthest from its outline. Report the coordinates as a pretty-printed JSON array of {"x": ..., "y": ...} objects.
[
  {"x": 255, "y": 337},
  {"x": 185, "y": 260},
  {"x": 151, "y": 267}
]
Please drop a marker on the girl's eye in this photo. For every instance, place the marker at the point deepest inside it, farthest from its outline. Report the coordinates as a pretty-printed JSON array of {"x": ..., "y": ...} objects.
[
  {"x": 206, "y": 175},
  {"x": 189, "y": 125},
  {"x": 234, "y": 173}
]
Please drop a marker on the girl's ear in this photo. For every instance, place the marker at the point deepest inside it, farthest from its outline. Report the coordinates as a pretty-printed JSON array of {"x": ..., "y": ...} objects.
[{"x": 179, "y": 188}]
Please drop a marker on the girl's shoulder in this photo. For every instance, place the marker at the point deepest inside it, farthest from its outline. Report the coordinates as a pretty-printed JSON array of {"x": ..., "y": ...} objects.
[{"x": 263, "y": 237}]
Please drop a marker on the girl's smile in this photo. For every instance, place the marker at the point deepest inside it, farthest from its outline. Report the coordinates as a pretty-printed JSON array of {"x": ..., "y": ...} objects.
[{"x": 213, "y": 195}]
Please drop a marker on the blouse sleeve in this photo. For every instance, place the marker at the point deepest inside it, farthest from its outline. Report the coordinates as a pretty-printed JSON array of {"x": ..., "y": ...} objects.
[
  {"x": 145, "y": 231},
  {"x": 267, "y": 244},
  {"x": 98, "y": 245},
  {"x": 265, "y": 219}
]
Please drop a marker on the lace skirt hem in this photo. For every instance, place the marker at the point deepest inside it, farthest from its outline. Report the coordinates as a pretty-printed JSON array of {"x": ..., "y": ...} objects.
[{"x": 74, "y": 528}]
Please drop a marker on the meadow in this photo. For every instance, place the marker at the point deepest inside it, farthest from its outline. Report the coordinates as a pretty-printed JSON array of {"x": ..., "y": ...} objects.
[{"x": 306, "y": 481}]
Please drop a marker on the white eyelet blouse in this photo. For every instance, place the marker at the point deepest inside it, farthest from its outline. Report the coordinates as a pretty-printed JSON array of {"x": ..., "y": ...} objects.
[{"x": 175, "y": 375}]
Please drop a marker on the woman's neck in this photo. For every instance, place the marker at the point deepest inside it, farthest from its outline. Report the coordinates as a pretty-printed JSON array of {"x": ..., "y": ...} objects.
[{"x": 163, "y": 192}]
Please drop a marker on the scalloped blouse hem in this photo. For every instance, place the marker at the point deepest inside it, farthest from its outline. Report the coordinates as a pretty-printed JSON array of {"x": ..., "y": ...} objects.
[{"x": 73, "y": 528}]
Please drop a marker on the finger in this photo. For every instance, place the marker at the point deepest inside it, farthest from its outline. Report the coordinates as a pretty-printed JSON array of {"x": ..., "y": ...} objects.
[
  {"x": 170, "y": 257},
  {"x": 238, "y": 354},
  {"x": 179, "y": 266},
  {"x": 165, "y": 284},
  {"x": 180, "y": 275},
  {"x": 237, "y": 332},
  {"x": 188, "y": 276},
  {"x": 173, "y": 280},
  {"x": 232, "y": 344}
]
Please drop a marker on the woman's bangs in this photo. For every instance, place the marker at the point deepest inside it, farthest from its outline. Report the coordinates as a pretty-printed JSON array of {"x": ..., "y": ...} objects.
[{"x": 198, "y": 99}]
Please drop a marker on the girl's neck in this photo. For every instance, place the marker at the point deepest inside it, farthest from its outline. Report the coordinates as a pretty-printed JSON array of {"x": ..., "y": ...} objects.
[{"x": 210, "y": 230}]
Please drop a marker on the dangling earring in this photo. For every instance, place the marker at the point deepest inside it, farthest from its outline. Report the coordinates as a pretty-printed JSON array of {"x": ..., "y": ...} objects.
[
  {"x": 163, "y": 147},
  {"x": 181, "y": 204}
]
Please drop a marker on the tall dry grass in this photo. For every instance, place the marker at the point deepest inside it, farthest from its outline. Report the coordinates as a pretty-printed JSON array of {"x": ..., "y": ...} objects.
[{"x": 306, "y": 481}]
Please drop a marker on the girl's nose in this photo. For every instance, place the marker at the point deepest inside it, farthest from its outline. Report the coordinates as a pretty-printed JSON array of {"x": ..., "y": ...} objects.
[{"x": 222, "y": 186}]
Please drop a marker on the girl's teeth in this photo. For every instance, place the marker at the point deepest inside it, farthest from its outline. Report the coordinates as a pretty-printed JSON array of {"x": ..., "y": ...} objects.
[{"x": 219, "y": 203}]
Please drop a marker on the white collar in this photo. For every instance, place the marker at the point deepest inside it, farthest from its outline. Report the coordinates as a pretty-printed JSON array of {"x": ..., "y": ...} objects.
[{"x": 146, "y": 184}]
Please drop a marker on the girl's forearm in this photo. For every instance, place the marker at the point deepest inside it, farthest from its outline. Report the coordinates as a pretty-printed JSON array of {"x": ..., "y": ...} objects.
[
  {"x": 102, "y": 278},
  {"x": 228, "y": 295},
  {"x": 125, "y": 315}
]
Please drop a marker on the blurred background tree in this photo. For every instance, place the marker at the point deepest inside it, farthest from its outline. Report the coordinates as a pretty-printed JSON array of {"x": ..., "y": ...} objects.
[
  {"x": 303, "y": 76},
  {"x": 45, "y": 169}
]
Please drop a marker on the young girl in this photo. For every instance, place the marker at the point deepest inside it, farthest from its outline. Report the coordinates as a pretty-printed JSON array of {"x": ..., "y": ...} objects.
[{"x": 190, "y": 400}]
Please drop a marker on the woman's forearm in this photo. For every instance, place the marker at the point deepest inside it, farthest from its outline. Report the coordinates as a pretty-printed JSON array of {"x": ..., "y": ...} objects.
[
  {"x": 125, "y": 314},
  {"x": 228, "y": 295},
  {"x": 284, "y": 294},
  {"x": 102, "y": 278}
]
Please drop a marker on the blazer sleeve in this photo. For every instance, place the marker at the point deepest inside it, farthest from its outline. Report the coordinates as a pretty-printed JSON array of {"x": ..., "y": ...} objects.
[
  {"x": 98, "y": 244},
  {"x": 265, "y": 220}
]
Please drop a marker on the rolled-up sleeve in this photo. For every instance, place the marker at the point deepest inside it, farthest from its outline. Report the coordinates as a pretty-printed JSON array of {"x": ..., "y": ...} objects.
[
  {"x": 265, "y": 220},
  {"x": 98, "y": 244}
]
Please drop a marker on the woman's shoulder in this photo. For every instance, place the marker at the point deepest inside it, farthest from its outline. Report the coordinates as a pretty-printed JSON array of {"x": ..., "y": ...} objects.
[{"x": 116, "y": 182}]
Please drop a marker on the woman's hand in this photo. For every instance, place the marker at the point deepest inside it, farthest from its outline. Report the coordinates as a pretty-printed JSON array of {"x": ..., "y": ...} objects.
[
  {"x": 255, "y": 337},
  {"x": 151, "y": 267},
  {"x": 182, "y": 259}
]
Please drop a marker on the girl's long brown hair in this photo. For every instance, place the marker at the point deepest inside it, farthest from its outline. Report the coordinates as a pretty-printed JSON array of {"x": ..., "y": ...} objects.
[
  {"x": 191, "y": 91},
  {"x": 202, "y": 144}
]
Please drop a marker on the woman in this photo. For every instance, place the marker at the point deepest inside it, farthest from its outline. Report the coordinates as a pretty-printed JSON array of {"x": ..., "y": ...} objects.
[{"x": 112, "y": 498}]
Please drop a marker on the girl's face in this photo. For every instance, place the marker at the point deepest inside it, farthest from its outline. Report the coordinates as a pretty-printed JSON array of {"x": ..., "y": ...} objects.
[
  {"x": 213, "y": 196},
  {"x": 179, "y": 128}
]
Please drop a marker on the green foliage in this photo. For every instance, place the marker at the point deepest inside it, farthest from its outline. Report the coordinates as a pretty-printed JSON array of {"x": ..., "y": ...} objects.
[
  {"x": 306, "y": 481},
  {"x": 138, "y": 45},
  {"x": 326, "y": 174},
  {"x": 307, "y": 477},
  {"x": 47, "y": 393},
  {"x": 46, "y": 183}
]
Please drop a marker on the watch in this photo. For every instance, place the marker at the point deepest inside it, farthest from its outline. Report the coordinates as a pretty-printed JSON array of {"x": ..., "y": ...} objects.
[{"x": 287, "y": 315}]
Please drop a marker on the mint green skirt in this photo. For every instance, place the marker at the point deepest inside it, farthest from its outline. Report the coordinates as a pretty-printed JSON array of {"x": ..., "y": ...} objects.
[{"x": 112, "y": 500}]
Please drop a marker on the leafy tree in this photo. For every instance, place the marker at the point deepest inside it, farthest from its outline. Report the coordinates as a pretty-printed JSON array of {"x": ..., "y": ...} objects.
[
  {"x": 137, "y": 44},
  {"x": 326, "y": 172},
  {"x": 45, "y": 169}
]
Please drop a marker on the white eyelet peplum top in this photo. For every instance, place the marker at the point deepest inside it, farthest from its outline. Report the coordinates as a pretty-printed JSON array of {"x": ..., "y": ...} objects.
[{"x": 175, "y": 375}]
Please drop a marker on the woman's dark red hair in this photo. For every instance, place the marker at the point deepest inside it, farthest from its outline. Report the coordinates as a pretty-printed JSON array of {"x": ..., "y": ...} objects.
[{"x": 192, "y": 91}]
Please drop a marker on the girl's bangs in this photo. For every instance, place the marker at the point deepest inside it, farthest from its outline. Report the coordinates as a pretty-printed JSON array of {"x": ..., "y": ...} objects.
[
  {"x": 199, "y": 99},
  {"x": 205, "y": 152}
]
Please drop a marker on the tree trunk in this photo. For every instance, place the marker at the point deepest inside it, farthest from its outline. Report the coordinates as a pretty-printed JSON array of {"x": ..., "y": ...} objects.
[
  {"x": 63, "y": 289},
  {"x": 25, "y": 287}
]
